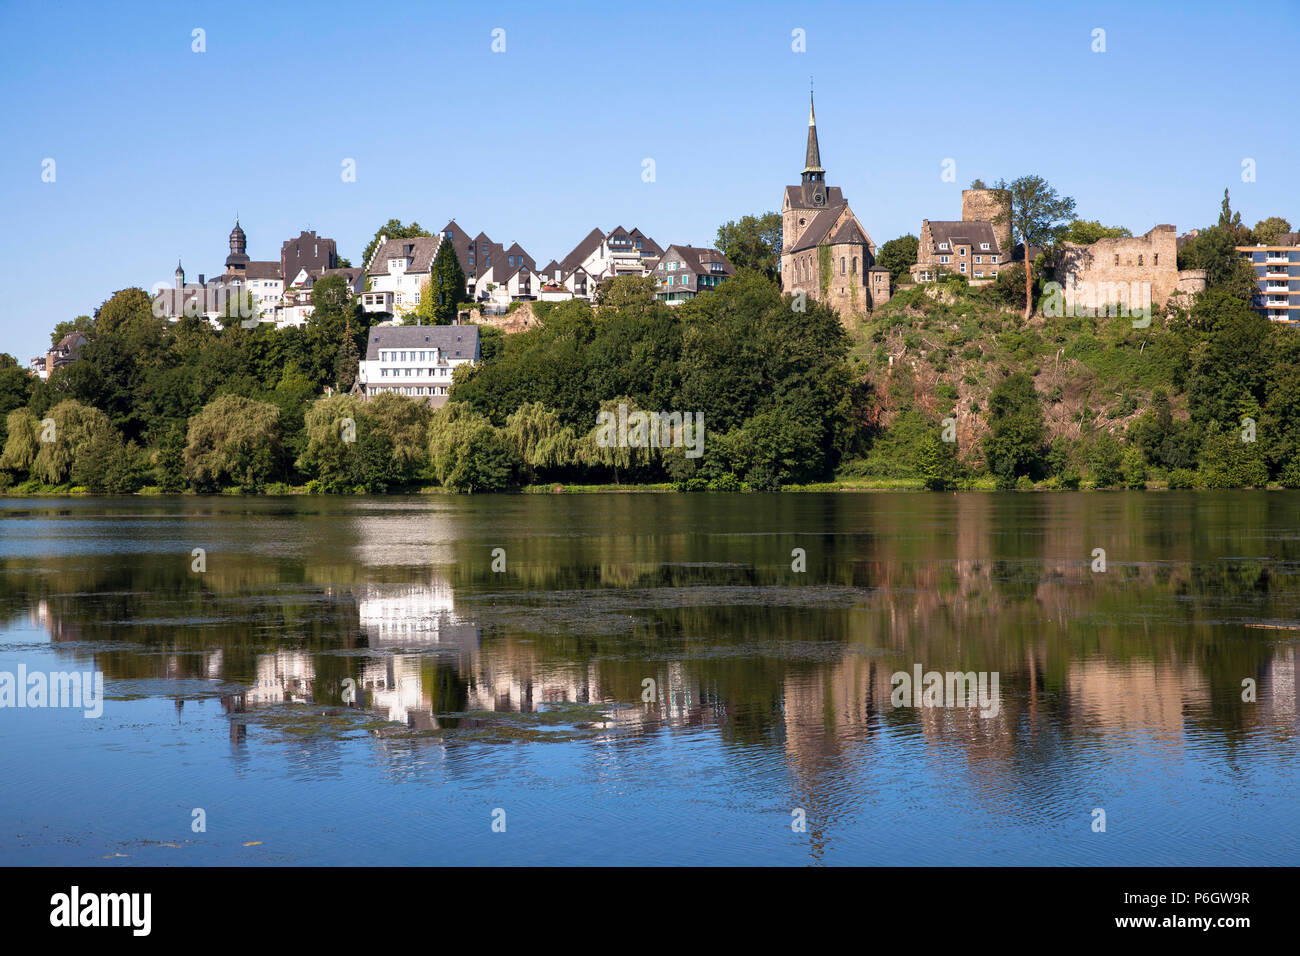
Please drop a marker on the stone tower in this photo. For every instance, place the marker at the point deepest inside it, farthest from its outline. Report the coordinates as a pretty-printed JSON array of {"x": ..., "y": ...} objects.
[
  {"x": 991, "y": 205},
  {"x": 179, "y": 275},
  {"x": 237, "y": 261}
]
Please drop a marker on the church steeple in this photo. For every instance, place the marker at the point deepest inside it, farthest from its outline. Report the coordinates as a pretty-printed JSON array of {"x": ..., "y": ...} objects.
[{"x": 812, "y": 167}]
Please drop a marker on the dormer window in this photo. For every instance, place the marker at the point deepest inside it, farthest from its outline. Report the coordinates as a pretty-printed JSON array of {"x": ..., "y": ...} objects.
[
  {"x": 943, "y": 245},
  {"x": 984, "y": 246}
]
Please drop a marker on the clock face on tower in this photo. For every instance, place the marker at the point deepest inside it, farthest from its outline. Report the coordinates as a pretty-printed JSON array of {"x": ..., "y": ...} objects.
[{"x": 818, "y": 198}]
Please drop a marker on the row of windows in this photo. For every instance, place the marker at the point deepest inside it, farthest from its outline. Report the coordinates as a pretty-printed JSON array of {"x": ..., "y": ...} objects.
[
  {"x": 1155, "y": 259},
  {"x": 415, "y": 373},
  {"x": 409, "y": 389},
  {"x": 984, "y": 246},
  {"x": 420, "y": 356}
]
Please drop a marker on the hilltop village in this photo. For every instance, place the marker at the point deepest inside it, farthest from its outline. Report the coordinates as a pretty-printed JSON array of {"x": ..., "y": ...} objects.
[{"x": 1017, "y": 345}]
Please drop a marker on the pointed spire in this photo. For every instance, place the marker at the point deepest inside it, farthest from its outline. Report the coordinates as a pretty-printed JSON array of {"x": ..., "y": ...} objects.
[{"x": 813, "y": 158}]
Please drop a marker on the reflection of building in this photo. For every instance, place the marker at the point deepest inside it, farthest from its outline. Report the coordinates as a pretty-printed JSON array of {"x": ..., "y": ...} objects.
[
  {"x": 396, "y": 615},
  {"x": 285, "y": 676},
  {"x": 393, "y": 686}
]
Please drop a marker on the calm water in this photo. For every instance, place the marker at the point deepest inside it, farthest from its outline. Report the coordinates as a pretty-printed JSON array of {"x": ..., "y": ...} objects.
[{"x": 477, "y": 691}]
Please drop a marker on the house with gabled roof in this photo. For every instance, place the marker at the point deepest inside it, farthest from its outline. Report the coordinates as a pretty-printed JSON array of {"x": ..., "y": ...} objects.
[
  {"x": 826, "y": 252},
  {"x": 969, "y": 248},
  {"x": 402, "y": 268},
  {"x": 683, "y": 272},
  {"x": 605, "y": 255}
]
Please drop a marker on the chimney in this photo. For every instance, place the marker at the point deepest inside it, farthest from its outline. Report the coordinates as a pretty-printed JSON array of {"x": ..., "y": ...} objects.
[{"x": 200, "y": 278}]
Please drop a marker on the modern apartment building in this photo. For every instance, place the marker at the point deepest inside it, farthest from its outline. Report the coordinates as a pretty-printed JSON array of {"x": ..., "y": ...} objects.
[{"x": 1277, "y": 277}]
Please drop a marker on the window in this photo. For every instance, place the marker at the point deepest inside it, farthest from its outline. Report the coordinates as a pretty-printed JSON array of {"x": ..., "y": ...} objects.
[
  {"x": 984, "y": 245},
  {"x": 943, "y": 259},
  {"x": 993, "y": 259},
  {"x": 979, "y": 259},
  {"x": 963, "y": 250},
  {"x": 842, "y": 260},
  {"x": 943, "y": 245},
  {"x": 1117, "y": 258},
  {"x": 1155, "y": 258},
  {"x": 963, "y": 267},
  {"x": 855, "y": 264},
  {"x": 1139, "y": 259}
]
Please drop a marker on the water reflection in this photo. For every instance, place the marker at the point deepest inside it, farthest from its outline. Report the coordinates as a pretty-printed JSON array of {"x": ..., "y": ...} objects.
[{"x": 691, "y": 602}]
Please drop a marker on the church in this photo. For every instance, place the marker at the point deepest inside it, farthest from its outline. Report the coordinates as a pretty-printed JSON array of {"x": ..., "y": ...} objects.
[{"x": 825, "y": 251}]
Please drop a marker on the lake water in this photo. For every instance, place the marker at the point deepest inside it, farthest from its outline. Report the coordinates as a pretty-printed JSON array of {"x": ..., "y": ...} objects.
[{"x": 649, "y": 680}]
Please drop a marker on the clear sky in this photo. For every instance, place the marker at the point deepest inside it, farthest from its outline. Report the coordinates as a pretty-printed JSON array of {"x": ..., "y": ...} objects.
[{"x": 156, "y": 147}]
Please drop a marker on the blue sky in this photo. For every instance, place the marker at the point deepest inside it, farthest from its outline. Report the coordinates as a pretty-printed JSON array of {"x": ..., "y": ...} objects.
[{"x": 156, "y": 147}]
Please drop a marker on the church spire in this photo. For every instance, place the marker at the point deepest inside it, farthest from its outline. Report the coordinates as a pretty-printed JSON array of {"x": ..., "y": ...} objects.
[{"x": 812, "y": 167}]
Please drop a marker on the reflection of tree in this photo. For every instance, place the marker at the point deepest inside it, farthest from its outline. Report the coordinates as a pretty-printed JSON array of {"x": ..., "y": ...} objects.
[{"x": 697, "y": 594}]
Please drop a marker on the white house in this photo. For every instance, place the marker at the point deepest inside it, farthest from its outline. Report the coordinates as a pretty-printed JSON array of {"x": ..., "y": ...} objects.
[
  {"x": 605, "y": 255},
  {"x": 402, "y": 267},
  {"x": 416, "y": 360}
]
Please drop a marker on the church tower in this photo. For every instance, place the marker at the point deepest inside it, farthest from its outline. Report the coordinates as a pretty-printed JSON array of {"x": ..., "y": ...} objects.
[
  {"x": 814, "y": 177},
  {"x": 826, "y": 252}
]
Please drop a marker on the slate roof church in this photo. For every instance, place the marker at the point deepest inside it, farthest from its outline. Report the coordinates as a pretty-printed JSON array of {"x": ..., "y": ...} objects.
[{"x": 825, "y": 250}]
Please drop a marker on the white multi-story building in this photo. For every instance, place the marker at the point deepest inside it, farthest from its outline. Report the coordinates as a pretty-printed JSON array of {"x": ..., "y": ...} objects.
[
  {"x": 416, "y": 360},
  {"x": 401, "y": 267}
]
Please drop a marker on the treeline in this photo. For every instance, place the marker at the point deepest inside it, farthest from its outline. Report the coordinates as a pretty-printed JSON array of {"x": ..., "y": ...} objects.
[{"x": 180, "y": 406}]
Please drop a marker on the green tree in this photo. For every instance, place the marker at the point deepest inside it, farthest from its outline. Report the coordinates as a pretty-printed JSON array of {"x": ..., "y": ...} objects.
[
  {"x": 753, "y": 242},
  {"x": 899, "y": 255},
  {"x": 331, "y": 425},
  {"x": 1269, "y": 231},
  {"x": 82, "y": 323},
  {"x": 234, "y": 440},
  {"x": 22, "y": 441},
  {"x": 170, "y": 462},
  {"x": 404, "y": 422},
  {"x": 1017, "y": 435},
  {"x": 1229, "y": 462},
  {"x": 1038, "y": 217},
  {"x": 1215, "y": 250},
  {"x": 445, "y": 289},
  {"x": 122, "y": 309},
  {"x": 72, "y": 428},
  {"x": 1087, "y": 231},
  {"x": 773, "y": 449},
  {"x": 540, "y": 439},
  {"x": 938, "y": 463},
  {"x": 1106, "y": 461},
  {"x": 106, "y": 465}
]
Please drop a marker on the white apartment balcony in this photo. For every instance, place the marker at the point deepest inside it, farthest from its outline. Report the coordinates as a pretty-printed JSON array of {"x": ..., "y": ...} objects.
[{"x": 1277, "y": 257}]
